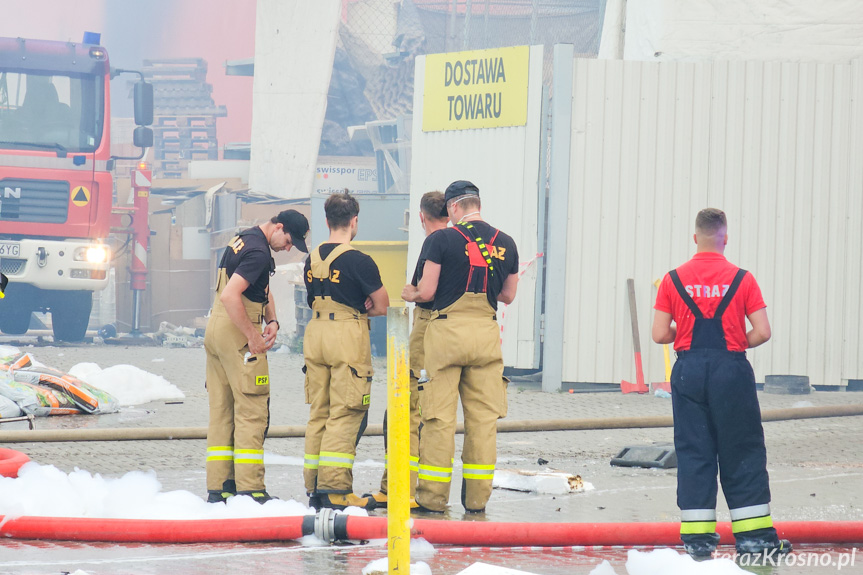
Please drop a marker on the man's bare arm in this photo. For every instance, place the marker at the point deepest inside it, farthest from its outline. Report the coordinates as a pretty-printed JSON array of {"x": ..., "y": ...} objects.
[
  {"x": 427, "y": 286},
  {"x": 760, "y": 331},
  {"x": 380, "y": 302},
  {"x": 507, "y": 292},
  {"x": 663, "y": 331}
]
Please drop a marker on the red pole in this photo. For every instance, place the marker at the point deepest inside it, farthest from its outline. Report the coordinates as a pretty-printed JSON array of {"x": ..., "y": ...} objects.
[{"x": 142, "y": 179}]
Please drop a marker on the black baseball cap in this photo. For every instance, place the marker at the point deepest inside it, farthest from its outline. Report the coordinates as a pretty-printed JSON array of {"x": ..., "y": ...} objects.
[
  {"x": 457, "y": 189},
  {"x": 297, "y": 226}
]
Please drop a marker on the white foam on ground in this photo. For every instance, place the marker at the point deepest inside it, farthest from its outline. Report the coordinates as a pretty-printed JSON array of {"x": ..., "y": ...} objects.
[
  {"x": 669, "y": 562},
  {"x": 129, "y": 384},
  {"x": 382, "y": 566},
  {"x": 479, "y": 568},
  {"x": 45, "y": 491}
]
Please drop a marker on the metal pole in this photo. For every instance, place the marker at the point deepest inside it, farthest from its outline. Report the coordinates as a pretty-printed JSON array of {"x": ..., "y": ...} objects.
[
  {"x": 558, "y": 216},
  {"x": 451, "y": 27},
  {"x": 398, "y": 446},
  {"x": 534, "y": 10},
  {"x": 136, "y": 312},
  {"x": 464, "y": 42},
  {"x": 541, "y": 226},
  {"x": 485, "y": 26}
]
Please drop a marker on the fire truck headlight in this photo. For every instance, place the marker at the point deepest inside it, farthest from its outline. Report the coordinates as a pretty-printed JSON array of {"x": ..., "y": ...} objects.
[{"x": 92, "y": 254}]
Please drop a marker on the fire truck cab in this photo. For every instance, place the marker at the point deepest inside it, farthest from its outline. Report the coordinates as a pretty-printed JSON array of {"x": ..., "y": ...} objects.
[{"x": 56, "y": 187}]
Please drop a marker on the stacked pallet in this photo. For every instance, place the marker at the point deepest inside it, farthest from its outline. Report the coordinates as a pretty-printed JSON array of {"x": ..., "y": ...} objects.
[{"x": 184, "y": 128}]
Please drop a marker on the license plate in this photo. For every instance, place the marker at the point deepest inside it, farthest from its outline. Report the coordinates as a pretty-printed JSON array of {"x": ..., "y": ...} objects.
[{"x": 9, "y": 249}]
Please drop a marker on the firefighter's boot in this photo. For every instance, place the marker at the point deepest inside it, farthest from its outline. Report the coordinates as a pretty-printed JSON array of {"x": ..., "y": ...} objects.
[
  {"x": 229, "y": 489},
  {"x": 380, "y": 498},
  {"x": 258, "y": 496},
  {"x": 345, "y": 500}
]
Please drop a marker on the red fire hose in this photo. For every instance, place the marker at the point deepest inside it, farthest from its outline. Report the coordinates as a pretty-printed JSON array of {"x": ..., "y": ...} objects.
[
  {"x": 440, "y": 532},
  {"x": 11, "y": 461},
  {"x": 155, "y": 530}
]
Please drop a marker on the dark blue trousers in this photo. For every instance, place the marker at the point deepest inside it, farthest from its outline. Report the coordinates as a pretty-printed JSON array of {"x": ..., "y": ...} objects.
[{"x": 717, "y": 429}]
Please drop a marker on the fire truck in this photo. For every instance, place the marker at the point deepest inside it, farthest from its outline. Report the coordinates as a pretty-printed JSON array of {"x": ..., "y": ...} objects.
[{"x": 56, "y": 184}]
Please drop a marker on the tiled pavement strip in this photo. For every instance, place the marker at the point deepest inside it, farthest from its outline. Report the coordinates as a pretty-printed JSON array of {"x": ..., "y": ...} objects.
[{"x": 816, "y": 465}]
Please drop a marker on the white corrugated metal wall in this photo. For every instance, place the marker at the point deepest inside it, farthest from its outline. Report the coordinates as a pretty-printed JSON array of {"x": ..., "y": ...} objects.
[
  {"x": 504, "y": 164},
  {"x": 777, "y": 146}
]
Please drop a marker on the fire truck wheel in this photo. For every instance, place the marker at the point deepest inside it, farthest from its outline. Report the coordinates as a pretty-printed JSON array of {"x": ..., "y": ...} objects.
[
  {"x": 14, "y": 319},
  {"x": 70, "y": 315}
]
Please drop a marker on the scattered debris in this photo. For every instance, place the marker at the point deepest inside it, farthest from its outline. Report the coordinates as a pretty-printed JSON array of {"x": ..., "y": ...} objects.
[
  {"x": 661, "y": 455},
  {"x": 541, "y": 461},
  {"x": 171, "y": 335},
  {"x": 550, "y": 481},
  {"x": 34, "y": 389}
]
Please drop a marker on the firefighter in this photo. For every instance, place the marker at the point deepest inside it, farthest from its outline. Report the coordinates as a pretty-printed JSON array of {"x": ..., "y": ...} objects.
[
  {"x": 344, "y": 289},
  {"x": 238, "y": 381},
  {"x": 431, "y": 206},
  {"x": 717, "y": 419},
  {"x": 468, "y": 269}
]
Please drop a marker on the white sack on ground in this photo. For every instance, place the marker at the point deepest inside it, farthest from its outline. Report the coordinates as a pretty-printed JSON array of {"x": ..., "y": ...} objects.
[{"x": 550, "y": 481}]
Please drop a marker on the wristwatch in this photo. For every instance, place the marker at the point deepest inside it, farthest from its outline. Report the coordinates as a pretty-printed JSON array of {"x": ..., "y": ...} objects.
[{"x": 275, "y": 321}]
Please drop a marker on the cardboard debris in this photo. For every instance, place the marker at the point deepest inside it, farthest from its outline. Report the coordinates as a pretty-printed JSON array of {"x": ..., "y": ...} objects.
[{"x": 550, "y": 481}]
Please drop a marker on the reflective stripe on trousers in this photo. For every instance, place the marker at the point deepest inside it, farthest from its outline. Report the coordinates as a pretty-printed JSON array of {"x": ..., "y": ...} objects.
[
  {"x": 697, "y": 521},
  {"x": 220, "y": 453},
  {"x": 335, "y": 459},
  {"x": 431, "y": 473},
  {"x": 751, "y": 518},
  {"x": 249, "y": 456},
  {"x": 476, "y": 471}
]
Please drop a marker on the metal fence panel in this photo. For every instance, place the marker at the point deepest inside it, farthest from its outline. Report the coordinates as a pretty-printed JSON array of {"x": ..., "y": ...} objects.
[{"x": 775, "y": 145}]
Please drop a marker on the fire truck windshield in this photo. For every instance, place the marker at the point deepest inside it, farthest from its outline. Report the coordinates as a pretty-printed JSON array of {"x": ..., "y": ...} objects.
[{"x": 52, "y": 111}]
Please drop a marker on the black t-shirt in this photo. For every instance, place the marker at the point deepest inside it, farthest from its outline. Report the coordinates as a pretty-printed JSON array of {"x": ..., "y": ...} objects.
[
  {"x": 354, "y": 276},
  {"x": 418, "y": 271},
  {"x": 449, "y": 249},
  {"x": 249, "y": 256}
]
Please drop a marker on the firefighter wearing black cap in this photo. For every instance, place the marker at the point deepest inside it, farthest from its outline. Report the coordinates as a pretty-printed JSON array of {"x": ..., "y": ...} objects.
[
  {"x": 431, "y": 206},
  {"x": 717, "y": 419},
  {"x": 468, "y": 269},
  {"x": 344, "y": 289},
  {"x": 238, "y": 379}
]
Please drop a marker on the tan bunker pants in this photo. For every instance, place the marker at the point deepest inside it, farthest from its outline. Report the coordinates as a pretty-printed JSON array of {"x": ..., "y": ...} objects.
[
  {"x": 239, "y": 393},
  {"x": 462, "y": 358},
  {"x": 416, "y": 351},
  {"x": 338, "y": 387}
]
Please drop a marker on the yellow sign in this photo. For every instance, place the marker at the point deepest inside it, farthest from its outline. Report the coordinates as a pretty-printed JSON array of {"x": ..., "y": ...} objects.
[
  {"x": 143, "y": 193},
  {"x": 476, "y": 89},
  {"x": 262, "y": 380},
  {"x": 80, "y": 196}
]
